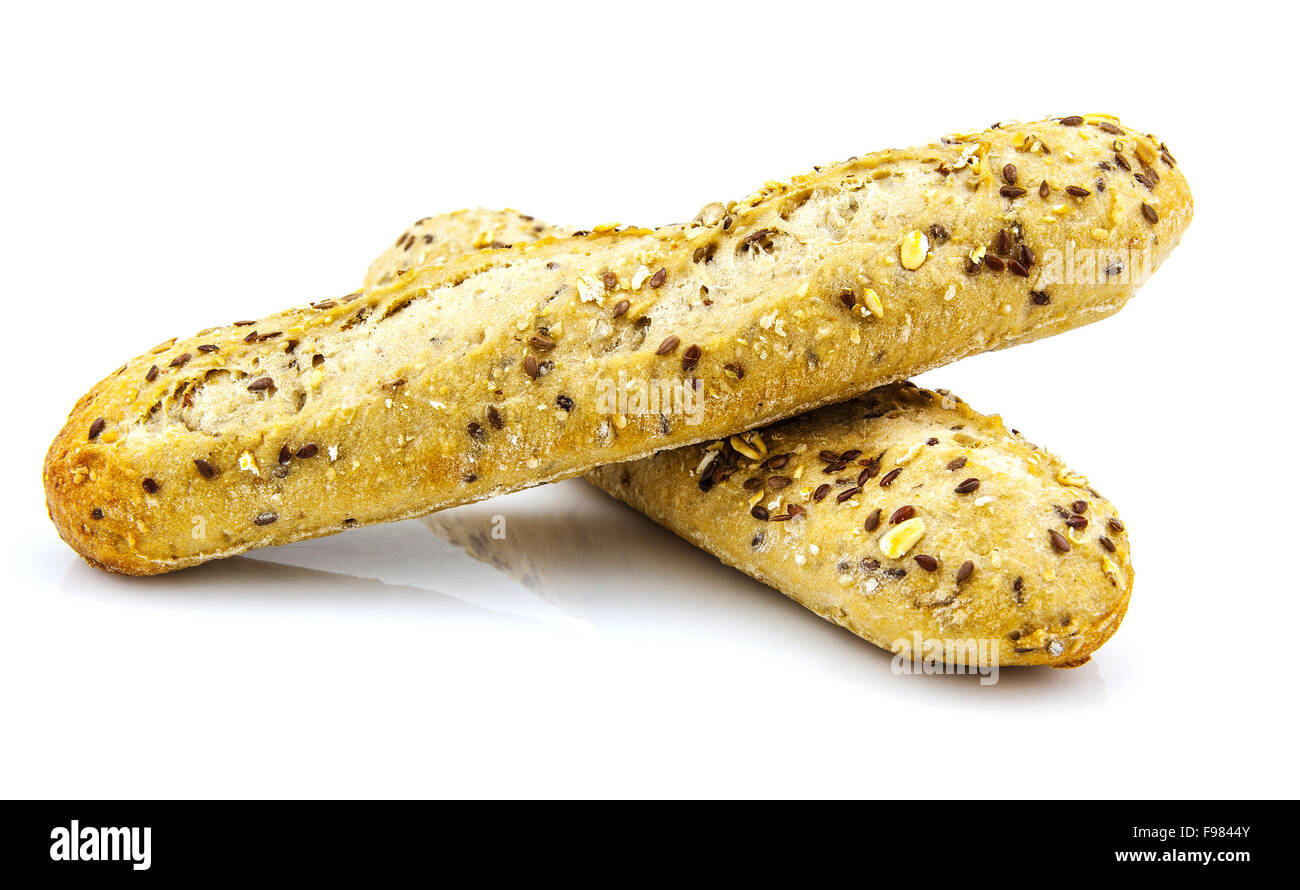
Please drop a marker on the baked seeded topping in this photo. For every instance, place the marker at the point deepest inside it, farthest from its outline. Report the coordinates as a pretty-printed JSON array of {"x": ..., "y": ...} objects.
[
  {"x": 151, "y": 374},
  {"x": 1078, "y": 191},
  {"x": 541, "y": 341},
  {"x": 670, "y": 343},
  {"x": 1107, "y": 543},
  {"x": 530, "y": 366},
  {"x": 260, "y": 384},
  {"x": 776, "y": 483},
  {"x": 1116, "y": 525},
  {"x": 265, "y": 518},
  {"x": 1016, "y": 267},
  {"x": 97, "y": 513},
  {"x": 691, "y": 357},
  {"x": 657, "y": 280},
  {"x": 1077, "y": 522},
  {"x": 1058, "y": 540},
  {"x": 752, "y": 483},
  {"x": 1009, "y": 174},
  {"x": 1002, "y": 242},
  {"x": 205, "y": 469},
  {"x": 620, "y": 307},
  {"x": 286, "y": 455},
  {"x": 796, "y": 510},
  {"x": 1044, "y": 190},
  {"x": 179, "y": 360},
  {"x": 1040, "y": 298},
  {"x": 208, "y": 347},
  {"x": 846, "y": 494},
  {"x": 150, "y": 485},
  {"x": 873, "y": 521},
  {"x": 96, "y": 428},
  {"x": 242, "y": 323},
  {"x": 889, "y": 477},
  {"x": 1073, "y": 120},
  {"x": 994, "y": 262},
  {"x": 610, "y": 280},
  {"x": 476, "y": 432},
  {"x": 1150, "y": 214},
  {"x": 564, "y": 402},
  {"x": 957, "y": 463},
  {"x": 759, "y": 512},
  {"x": 967, "y": 486},
  {"x": 1011, "y": 191},
  {"x": 822, "y": 490},
  {"x": 966, "y": 570},
  {"x": 902, "y": 514},
  {"x": 1079, "y": 507},
  {"x": 929, "y": 563},
  {"x": 1108, "y": 127},
  {"x": 308, "y": 450}
]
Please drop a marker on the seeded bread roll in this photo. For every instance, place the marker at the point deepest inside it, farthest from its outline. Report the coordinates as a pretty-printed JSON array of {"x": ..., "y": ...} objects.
[
  {"x": 492, "y": 372},
  {"x": 903, "y": 513}
]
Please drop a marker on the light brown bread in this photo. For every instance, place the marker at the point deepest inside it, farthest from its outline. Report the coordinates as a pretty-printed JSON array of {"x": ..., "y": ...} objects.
[
  {"x": 904, "y": 515},
  {"x": 488, "y": 373}
]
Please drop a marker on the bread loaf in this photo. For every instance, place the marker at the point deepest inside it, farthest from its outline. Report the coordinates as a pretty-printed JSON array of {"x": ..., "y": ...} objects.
[
  {"x": 908, "y": 518},
  {"x": 508, "y": 367}
]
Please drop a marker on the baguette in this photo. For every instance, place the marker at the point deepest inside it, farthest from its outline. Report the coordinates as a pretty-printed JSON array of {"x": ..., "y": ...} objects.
[
  {"x": 907, "y": 518},
  {"x": 974, "y": 493},
  {"x": 492, "y": 372}
]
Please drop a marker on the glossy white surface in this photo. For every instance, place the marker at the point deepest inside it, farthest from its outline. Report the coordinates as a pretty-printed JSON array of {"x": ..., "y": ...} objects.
[{"x": 167, "y": 169}]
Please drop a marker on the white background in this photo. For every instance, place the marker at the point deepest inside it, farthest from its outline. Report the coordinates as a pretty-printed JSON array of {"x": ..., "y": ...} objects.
[{"x": 174, "y": 166}]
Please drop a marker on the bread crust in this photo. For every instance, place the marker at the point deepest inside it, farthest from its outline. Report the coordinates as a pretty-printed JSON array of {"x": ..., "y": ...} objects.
[
  {"x": 434, "y": 390},
  {"x": 826, "y": 548}
]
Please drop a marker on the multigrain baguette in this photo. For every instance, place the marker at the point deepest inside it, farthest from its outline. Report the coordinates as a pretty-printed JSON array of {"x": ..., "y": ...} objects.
[
  {"x": 907, "y": 518},
  {"x": 486, "y": 374},
  {"x": 1014, "y": 554}
]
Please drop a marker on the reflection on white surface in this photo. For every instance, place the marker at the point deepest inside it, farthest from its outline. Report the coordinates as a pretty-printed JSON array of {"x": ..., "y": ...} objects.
[
  {"x": 569, "y": 558},
  {"x": 569, "y": 555}
]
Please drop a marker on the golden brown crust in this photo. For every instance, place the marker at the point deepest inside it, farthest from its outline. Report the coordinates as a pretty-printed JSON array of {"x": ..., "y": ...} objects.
[
  {"x": 1012, "y": 547},
  {"x": 436, "y": 390}
]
